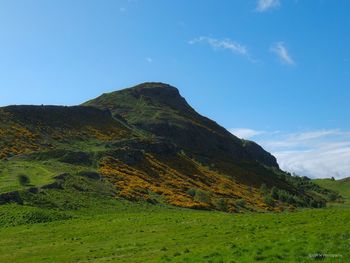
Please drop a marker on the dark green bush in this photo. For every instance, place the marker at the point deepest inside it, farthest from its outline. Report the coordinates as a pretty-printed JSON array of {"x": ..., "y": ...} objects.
[
  {"x": 202, "y": 196},
  {"x": 263, "y": 189},
  {"x": 333, "y": 196},
  {"x": 221, "y": 204},
  {"x": 274, "y": 193},
  {"x": 240, "y": 203},
  {"x": 269, "y": 200},
  {"x": 23, "y": 180},
  {"x": 191, "y": 192},
  {"x": 199, "y": 195}
]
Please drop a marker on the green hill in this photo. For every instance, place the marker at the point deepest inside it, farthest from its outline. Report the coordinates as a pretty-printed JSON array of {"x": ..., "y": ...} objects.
[
  {"x": 160, "y": 110},
  {"x": 151, "y": 146},
  {"x": 340, "y": 186}
]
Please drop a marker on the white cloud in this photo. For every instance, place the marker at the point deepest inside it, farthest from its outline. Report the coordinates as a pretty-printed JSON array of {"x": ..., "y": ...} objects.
[
  {"x": 313, "y": 134},
  {"x": 227, "y": 44},
  {"x": 318, "y": 162},
  {"x": 282, "y": 52},
  {"x": 224, "y": 44},
  {"x": 316, "y": 154},
  {"x": 244, "y": 133},
  {"x": 264, "y": 5}
]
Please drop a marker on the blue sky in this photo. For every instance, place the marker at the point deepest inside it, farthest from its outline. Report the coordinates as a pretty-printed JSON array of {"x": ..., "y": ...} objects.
[{"x": 269, "y": 70}]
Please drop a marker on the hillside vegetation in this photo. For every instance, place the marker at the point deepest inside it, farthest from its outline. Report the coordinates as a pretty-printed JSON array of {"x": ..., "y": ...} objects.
[
  {"x": 339, "y": 186},
  {"x": 138, "y": 175},
  {"x": 78, "y": 218}
]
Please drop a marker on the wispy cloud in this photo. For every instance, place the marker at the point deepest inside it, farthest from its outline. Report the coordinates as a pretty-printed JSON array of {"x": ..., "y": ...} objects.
[
  {"x": 265, "y": 5},
  {"x": 226, "y": 44},
  {"x": 149, "y": 60},
  {"x": 282, "y": 52},
  {"x": 316, "y": 154},
  {"x": 223, "y": 44},
  {"x": 245, "y": 133}
]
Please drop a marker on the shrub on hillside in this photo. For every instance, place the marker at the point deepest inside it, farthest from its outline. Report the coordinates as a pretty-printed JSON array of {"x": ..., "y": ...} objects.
[
  {"x": 333, "y": 196},
  {"x": 304, "y": 185},
  {"x": 240, "y": 203},
  {"x": 221, "y": 204},
  {"x": 199, "y": 195},
  {"x": 191, "y": 192},
  {"x": 269, "y": 200},
  {"x": 23, "y": 180},
  {"x": 263, "y": 189},
  {"x": 274, "y": 192},
  {"x": 202, "y": 196}
]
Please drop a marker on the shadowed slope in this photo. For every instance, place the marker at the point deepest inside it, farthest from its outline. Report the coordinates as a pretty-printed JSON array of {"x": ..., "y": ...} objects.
[
  {"x": 25, "y": 129},
  {"x": 159, "y": 109}
]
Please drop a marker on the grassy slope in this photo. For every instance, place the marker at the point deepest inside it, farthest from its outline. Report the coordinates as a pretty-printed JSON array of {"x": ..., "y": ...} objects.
[
  {"x": 133, "y": 233},
  {"x": 10, "y": 170},
  {"x": 340, "y": 186},
  {"x": 39, "y": 172},
  {"x": 82, "y": 221}
]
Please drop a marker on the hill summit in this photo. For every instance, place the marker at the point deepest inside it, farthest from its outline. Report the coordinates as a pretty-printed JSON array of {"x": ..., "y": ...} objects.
[
  {"x": 160, "y": 110},
  {"x": 150, "y": 145}
]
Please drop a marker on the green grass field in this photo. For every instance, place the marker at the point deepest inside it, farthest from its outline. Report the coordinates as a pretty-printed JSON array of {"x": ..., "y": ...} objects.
[
  {"x": 82, "y": 222},
  {"x": 127, "y": 232}
]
